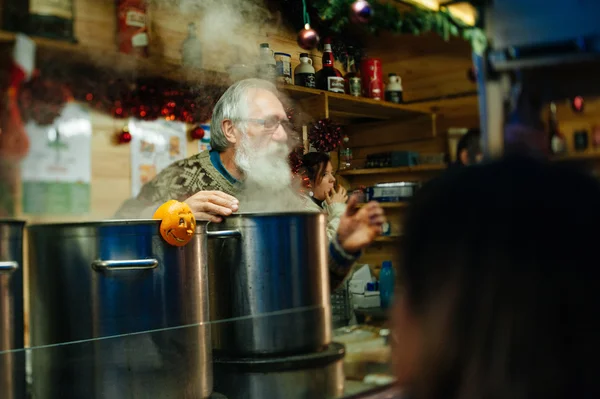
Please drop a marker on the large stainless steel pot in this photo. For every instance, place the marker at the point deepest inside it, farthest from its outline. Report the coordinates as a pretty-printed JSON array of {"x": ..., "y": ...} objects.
[
  {"x": 12, "y": 364},
  {"x": 269, "y": 278},
  {"x": 312, "y": 375},
  {"x": 118, "y": 279}
]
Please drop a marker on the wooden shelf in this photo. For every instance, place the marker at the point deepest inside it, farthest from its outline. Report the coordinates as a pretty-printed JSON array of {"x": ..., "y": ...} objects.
[
  {"x": 466, "y": 104},
  {"x": 388, "y": 238},
  {"x": 401, "y": 169},
  {"x": 344, "y": 106},
  {"x": 119, "y": 63},
  {"x": 592, "y": 155},
  {"x": 390, "y": 204}
]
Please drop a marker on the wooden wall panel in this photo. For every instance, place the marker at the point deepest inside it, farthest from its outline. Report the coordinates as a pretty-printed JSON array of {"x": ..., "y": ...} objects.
[{"x": 428, "y": 66}]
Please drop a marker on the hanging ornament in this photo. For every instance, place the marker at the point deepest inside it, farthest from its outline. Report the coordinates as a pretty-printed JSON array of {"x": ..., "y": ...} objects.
[
  {"x": 346, "y": 139},
  {"x": 361, "y": 12},
  {"x": 124, "y": 136},
  {"x": 308, "y": 38},
  {"x": 197, "y": 133},
  {"x": 325, "y": 135}
]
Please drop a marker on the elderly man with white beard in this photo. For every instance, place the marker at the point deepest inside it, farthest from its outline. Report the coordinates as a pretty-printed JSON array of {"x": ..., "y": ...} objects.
[{"x": 247, "y": 169}]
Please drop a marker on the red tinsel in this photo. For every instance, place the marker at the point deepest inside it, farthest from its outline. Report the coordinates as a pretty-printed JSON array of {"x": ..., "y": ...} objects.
[
  {"x": 325, "y": 135},
  {"x": 43, "y": 98}
]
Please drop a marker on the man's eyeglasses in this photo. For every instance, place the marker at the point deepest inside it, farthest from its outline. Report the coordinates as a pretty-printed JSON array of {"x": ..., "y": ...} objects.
[{"x": 271, "y": 124}]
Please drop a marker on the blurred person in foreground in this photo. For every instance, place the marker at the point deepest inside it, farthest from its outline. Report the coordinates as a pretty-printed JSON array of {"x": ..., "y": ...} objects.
[
  {"x": 500, "y": 285},
  {"x": 323, "y": 195},
  {"x": 251, "y": 139},
  {"x": 468, "y": 149}
]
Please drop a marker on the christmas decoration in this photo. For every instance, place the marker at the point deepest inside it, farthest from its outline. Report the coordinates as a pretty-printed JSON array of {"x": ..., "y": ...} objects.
[
  {"x": 42, "y": 99},
  {"x": 361, "y": 12},
  {"x": 325, "y": 135},
  {"x": 197, "y": 133},
  {"x": 308, "y": 37},
  {"x": 124, "y": 136},
  {"x": 346, "y": 138},
  {"x": 387, "y": 17},
  {"x": 14, "y": 142}
]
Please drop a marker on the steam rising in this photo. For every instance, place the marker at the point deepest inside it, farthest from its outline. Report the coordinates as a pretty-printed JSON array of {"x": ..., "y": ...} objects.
[{"x": 228, "y": 29}]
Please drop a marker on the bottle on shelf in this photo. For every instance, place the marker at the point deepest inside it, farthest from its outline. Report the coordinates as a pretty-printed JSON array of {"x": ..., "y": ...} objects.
[
  {"x": 351, "y": 78},
  {"x": 53, "y": 19},
  {"x": 393, "y": 90},
  {"x": 556, "y": 140},
  {"x": 304, "y": 74},
  {"x": 329, "y": 78},
  {"x": 191, "y": 51},
  {"x": 267, "y": 66},
  {"x": 132, "y": 30},
  {"x": 387, "y": 282}
]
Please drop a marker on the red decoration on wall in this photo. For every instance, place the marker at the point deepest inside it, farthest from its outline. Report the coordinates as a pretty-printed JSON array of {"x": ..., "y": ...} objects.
[
  {"x": 124, "y": 136},
  {"x": 325, "y": 135},
  {"x": 149, "y": 99},
  {"x": 197, "y": 133}
]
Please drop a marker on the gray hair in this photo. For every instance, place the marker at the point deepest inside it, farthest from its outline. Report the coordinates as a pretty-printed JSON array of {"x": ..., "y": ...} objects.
[{"x": 233, "y": 104}]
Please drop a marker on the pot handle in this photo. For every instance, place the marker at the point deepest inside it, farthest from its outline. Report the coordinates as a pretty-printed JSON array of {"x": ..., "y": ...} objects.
[
  {"x": 224, "y": 234},
  {"x": 8, "y": 266},
  {"x": 135, "y": 264}
]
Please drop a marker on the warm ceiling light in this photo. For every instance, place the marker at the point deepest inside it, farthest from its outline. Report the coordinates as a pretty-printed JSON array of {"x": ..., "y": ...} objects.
[{"x": 463, "y": 11}]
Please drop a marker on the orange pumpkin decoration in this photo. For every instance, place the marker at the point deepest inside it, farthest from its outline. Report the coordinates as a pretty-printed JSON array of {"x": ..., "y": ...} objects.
[{"x": 178, "y": 222}]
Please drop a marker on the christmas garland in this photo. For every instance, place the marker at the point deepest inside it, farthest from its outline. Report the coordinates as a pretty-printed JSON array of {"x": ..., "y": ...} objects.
[{"x": 387, "y": 17}]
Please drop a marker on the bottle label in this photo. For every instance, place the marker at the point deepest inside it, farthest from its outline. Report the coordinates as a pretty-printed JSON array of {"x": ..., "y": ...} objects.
[
  {"x": 305, "y": 79},
  {"x": 394, "y": 96},
  {"x": 135, "y": 18},
  {"x": 335, "y": 84},
  {"x": 56, "y": 8},
  {"x": 140, "y": 40},
  {"x": 355, "y": 87},
  {"x": 284, "y": 71}
]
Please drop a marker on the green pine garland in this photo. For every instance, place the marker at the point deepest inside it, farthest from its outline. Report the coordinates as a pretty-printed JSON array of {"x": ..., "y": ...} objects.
[{"x": 387, "y": 17}]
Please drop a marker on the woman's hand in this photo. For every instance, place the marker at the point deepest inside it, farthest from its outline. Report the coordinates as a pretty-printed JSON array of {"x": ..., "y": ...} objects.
[
  {"x": 341, "y": 196},
  {"x": 360, "y": 226}
]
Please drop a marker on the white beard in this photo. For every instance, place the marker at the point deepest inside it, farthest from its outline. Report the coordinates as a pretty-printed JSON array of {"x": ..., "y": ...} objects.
[{"x": 268, "y": 178}]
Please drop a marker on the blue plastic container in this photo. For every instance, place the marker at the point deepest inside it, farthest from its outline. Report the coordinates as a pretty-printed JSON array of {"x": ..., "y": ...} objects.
[{"x": 387, "y": 281}]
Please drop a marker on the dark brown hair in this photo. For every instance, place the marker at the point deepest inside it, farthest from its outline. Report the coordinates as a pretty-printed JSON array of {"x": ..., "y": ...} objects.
[
  {"x": 314, "y": 164},
  {"x": 500, "y": 268}
]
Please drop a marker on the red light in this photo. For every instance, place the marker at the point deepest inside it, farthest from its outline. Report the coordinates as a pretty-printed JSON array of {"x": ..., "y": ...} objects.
[{"x": 577, "y": 104}]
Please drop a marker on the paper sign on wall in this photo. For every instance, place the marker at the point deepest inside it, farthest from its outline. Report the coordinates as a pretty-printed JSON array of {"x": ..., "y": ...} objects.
[
  {"x": 154, "y": 146},
  {"x": 204, "y": 142},
  {"x": 56, "y": 174}
]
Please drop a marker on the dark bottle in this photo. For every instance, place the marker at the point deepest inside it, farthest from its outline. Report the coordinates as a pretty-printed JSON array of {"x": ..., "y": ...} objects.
[
  {"x": 329, "y": 78},
  {"x": 351, "y": 71},
  {"x": 53, "y": 19},
  {"x": 556, "y": 140}
]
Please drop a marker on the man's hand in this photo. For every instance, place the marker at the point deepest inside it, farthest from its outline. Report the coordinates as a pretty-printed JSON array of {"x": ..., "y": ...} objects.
[
  {"x": 360, "y": 226},
  {"x": 211, "y": 205}
]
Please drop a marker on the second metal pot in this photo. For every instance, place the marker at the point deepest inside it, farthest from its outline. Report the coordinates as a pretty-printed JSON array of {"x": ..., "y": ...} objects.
[
  {"x": 269, "y": 284},
  {"x": 12, "y": 364}
]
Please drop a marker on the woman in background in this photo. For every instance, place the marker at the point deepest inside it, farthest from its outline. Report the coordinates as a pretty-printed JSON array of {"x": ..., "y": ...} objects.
[
  {"x": 501, "y": 283},
  {"x": 468, "y": 149},
  {"x": 323, "y": 195}
]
